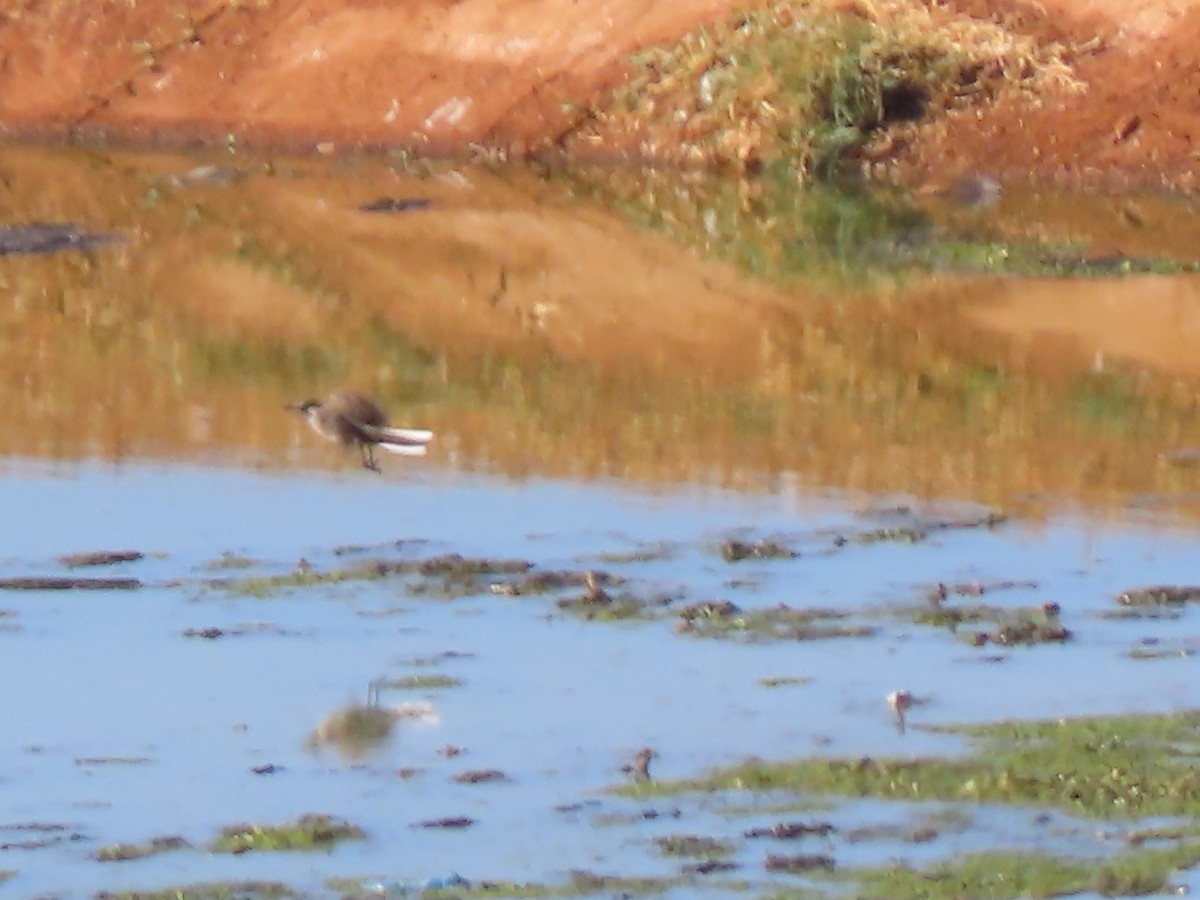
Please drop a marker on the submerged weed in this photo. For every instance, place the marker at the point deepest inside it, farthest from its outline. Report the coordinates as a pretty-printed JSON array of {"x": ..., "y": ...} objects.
[
  {"x": 419, "y": 682},
  {"x": 694, "y": 845},
  {"x": 306, "y": 833},
  {"x": 1025, "y": 625},
  {"x": 450, "y": 575},
  {"x": 1109, "y": 767},
  {"x": 776, "y": 623},
  {"x": 1004, "y": 875},
  {"x": 1160, "y": 595},
  {"x": 219, "y": 890},
  {"x": 152, "y": 847}
]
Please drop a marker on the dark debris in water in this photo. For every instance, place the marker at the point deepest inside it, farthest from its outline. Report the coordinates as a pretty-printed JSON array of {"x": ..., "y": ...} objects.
[
  {"x": 212, "y": 632},
  {"x": 100, "y": 558},
  {"x": 480, "y": 776},
  {"x": 51, "y": 237},
  {"x": 799, "y": 863},
  {"x": 921, "y": 529},
  {"x": 790, "y": 831},
  {"x": 44, "y": 834},
  {"x": 60, "y": 583},
  {"x": 711, "y": 866},
  {"x": 396, "y": 205},
  {"x": 209, "y": 634},
  {"x": 451, "y": 823}
]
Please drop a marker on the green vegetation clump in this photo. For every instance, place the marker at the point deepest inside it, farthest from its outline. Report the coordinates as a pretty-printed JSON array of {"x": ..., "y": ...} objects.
[
  {"x": 776, "y": 623},
  {"x": 735, "y": 550},
  {"x": 1111, "y": 767},
  {"x": 1019, "y": 626},
  {"x": 694, "y": 845},
  {"x": 992, "y": 876},
  {"x": 813, "y": 83},
  {"x": 306, "y": 833},
  {"x": 152, "y": 847},
  {"x": 450, "y": 575},
  {"x": 222, "y": 890},
  {"x": 420, "y": 682}
]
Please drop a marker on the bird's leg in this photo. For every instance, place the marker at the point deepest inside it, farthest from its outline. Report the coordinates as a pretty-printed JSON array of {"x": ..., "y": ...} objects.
[{"x": 368, "y": 457}]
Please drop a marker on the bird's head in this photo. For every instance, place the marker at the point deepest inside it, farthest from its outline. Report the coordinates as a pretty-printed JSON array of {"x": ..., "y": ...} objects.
[{"x": 303, "y": 408}]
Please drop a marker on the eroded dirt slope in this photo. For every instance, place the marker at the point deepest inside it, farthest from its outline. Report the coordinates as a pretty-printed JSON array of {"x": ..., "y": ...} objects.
[
  {"x": 439, "y": 74},
  {"x": 457, "y": 76}
]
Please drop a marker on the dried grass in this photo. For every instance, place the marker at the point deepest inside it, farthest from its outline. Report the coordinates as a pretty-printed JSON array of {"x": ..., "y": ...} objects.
[{"x": 813, "y": 83}]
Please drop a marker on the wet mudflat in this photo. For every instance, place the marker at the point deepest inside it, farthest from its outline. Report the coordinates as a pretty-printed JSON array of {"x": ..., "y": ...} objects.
[{"x": 709, "y": 584}]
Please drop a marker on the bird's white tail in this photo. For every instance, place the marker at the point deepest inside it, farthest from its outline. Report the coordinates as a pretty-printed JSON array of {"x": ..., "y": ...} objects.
[
  {"x": 403, "y": 449},
  {"x": 407, "y": 435},
  {"x": 405, "y": 441}
]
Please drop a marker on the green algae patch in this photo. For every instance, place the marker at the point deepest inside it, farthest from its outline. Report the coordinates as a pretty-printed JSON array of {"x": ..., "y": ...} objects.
[
  {"x": 152, "y": 847},
  {"x": 601, "y": 606},
  {"x": 981, "y": 624},
  {"x": 553, "y": 582},
  {"x": 1159, "y": 595},
  {"x": 651, "y": 552},
  {"x": 223, "y": 890},
  {"x": 1111, "y": 767},
  {"x": 303, "y": 576},
  {"x": 448, "y": 576},
  {"x": 230, "y": 560},
  {"x": 420, "y": 683},
  {"x": 776, "y": 681},
  {"x": 735, "y": 550},
  {"x": 578, "y": 884},
  {"x": 315, "y": 832},
  {"x": 728, "y": 621},
  {"x": 994, "y": 875},
  {"x": 690, "y": 845}
]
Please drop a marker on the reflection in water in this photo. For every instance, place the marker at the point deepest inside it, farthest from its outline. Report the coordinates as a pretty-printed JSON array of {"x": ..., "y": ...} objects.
[{"x": 608, "y": 350}]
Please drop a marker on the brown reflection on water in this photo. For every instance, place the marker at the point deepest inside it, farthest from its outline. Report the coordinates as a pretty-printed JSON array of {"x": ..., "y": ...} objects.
[{"x": 542, "y": 335}]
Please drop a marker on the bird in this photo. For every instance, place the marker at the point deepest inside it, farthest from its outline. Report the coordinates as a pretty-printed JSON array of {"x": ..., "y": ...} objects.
[{"x": 354, "y": 419}]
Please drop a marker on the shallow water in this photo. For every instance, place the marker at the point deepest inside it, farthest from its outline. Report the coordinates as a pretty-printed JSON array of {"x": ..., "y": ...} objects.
[
  {"x": 129, "y": 730},
  {"x": 581, "y": 429}
]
